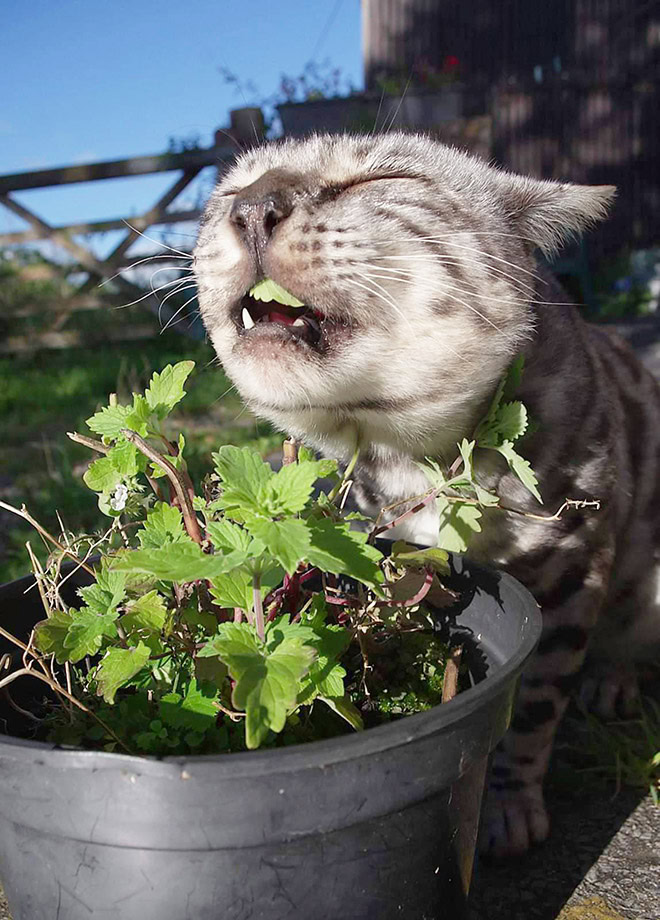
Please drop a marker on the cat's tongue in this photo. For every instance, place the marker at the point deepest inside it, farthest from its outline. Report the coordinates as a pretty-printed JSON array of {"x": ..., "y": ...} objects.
[{"x": 275, "y": 317}]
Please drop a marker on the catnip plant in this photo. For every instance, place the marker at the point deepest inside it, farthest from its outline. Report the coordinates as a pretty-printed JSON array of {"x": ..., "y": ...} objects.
[{"x": 253, "y": 610}]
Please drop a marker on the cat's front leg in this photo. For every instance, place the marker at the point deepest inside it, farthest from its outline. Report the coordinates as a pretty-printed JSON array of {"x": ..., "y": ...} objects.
[{"x": 515, "y": 814}]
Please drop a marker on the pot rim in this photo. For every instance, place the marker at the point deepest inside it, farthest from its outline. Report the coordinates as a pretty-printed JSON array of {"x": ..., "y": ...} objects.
[{"x": 312, "y": 754}]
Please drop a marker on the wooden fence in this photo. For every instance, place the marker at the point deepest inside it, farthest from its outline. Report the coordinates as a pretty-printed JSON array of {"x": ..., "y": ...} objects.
[{"x": 246, "y": 126}]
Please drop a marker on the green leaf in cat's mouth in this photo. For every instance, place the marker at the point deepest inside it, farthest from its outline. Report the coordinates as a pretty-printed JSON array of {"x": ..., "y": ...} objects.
[
  {"x": 268, "y": 290},
  {"x": 268, "y": 307}
]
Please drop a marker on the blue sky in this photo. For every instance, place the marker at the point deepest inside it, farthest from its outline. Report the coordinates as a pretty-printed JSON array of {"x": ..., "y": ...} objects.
[{"x": 88, "y": 80}]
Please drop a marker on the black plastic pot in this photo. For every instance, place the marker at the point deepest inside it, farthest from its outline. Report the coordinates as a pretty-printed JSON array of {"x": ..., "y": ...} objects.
[{"x": 370, "y": 826}]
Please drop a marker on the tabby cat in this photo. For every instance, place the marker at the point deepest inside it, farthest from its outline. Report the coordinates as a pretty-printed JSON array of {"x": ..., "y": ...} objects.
[{"x": 417, "y": 265}]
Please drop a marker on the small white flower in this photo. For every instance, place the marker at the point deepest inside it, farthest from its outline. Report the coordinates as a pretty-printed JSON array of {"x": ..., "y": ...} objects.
[{"x": 118, "y": 500}]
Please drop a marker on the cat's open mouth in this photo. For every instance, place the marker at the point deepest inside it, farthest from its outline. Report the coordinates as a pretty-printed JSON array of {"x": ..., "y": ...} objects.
[
  {"x": 282, "y": 315},
  {"x": 254, "y": 316}
]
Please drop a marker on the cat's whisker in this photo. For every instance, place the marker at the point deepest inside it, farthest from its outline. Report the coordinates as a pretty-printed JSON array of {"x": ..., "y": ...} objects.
[
  {"x": 228, "y": 390},
  {"x": 369, "y": 278},
  {"x": 486, "y": 255},
  {"x": 159, "y": 270},
  {"x": 128, "y": 268},
  {"x": 427, "y": 257},
  {"x": 150, "y": 293},
  {"x": 523, "y": 302},
  {"x": 444, "y": 344},
  {"x": 157, "y": 242},
  {"x": 181, "y": 290},
  {"x": 396, "y": 111},
  {"x": 170, "y": 321},
  {"x": 448, "y": 293},
  {"x": 480, "y": 314},
  {"x": 192, "y": 316}
]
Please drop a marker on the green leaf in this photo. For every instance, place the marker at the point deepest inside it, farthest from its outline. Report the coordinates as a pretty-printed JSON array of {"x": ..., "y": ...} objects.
[
  {"x": 242, "y": 473},
  {"x": 267, "y": 683},
  {"x": 329, "y": 684},
  {"x": 180, "y": 562},
  {"x": 225, "y": 535},
  {"x": 118, "y": 667},
  {"x": 323, "y": 679},
  {"x": 107, "y": 593},
  {"x": 521, "y": 468},
  {"x": 126, "y": 458},
  {"x": 512, "y": 420},
  {"x": 147, "y": 612},
  {"x": 304, "y": 453},
  {"x": 235, "y": 588},
  {"x": 502, "y": 422},
  {"x": 466, "y": 449},
  {"x": 195, "y": 711},
  {"x": 282, "y": 628},
  {"x": 109, "y": 421},
  {"x": 49, "y": 635},
  {"x": 164, "y": 524},
  {"x": 289, "y": 490},
  {"x": 177, "y": 461},
  {"x": 432, "y": 557},
  {"x": 337, "y": 549},
  {"x": 513, "y": 377},
  {"x": 211, "y": 671},
  {"x": 433, "y": 472},
  {"x": 267, "y": 690},
  {"x": 508, "y": 423},
  {"x": 234, "y": 639},
  {"x": 316, "y": 613},
  {"x": 287, "y": 541},
  {"x": 343, "y": 706},
  {"x": 102, "y": 475},
  {"x": 457, "y": 524},
  {"x": 484, "y": 497},
  {"x": 165, "y": 389},
  {"x": 326, "y": 466},
  {"x": 87, "y": 632},
  {"x": 268, "y": 290},
  {"x": 139, "y": 416}
]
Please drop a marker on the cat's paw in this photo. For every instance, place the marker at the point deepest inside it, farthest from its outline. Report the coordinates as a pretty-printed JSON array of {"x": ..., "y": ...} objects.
[
  {"x": 513, "y": 821},
  {"x": 611, "y": 693}
]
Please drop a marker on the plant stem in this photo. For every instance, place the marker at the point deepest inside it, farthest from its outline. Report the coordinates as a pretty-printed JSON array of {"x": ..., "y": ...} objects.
[
  {"x": 92, "y": 443},
  {"x": 258, "y": 607},
  {"x": 38, "y": 575},
  {"x": 334, "y": 492},
  {"x": 419, "y": 595},
  {"x": 402, "y": 517},
  {"x": 178, "y": 481},
  {"x": 22, "y": 512},
  {"x": 53, "y": 684},
  {"x": 289, "y": 451},
  {"x": 450, "y": 679}
]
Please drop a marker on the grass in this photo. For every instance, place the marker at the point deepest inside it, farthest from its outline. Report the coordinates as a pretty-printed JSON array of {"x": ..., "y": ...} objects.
[
  {"x": 610, "y": 755},
  {"x": 49, "y": 393}
]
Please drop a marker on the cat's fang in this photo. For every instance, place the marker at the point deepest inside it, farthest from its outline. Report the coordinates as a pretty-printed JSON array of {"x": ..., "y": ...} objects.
[{"x": 248, "y": 322}]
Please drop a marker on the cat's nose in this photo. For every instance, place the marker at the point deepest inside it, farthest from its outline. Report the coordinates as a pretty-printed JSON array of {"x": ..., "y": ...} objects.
[{"x": 261, "y": 206}]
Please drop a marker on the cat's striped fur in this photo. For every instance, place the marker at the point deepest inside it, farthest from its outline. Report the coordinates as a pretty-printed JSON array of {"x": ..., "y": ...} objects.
[{"x": 421, "y": 259}]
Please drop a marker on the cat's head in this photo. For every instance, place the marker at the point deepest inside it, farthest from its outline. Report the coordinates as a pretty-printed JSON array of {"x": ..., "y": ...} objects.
[{"x": 414, "y": 262}]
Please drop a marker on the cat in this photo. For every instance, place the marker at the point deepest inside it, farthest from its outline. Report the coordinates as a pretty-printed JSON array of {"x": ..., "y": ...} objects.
[{"x": 417, "y": 263}]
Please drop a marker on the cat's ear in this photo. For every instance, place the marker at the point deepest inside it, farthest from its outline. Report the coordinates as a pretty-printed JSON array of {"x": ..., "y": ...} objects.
[{"x": 547, "y": 214}]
